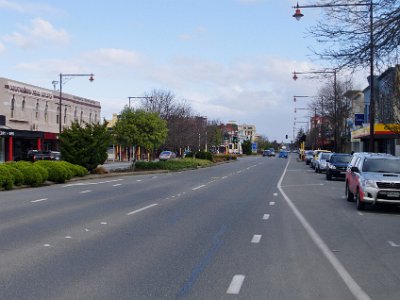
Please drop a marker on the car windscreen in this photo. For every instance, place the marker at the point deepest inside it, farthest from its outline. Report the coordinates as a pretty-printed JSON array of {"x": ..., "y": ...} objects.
[
  {"x": 381, "y": 165},
  {"x": 325, "y": 156},
  {"x": 345, "y": 159}
]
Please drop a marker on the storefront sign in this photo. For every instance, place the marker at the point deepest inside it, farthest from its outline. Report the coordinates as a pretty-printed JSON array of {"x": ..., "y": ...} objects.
[
  {"x": 28, "y": 90},
  {"x": 358, "y": 119},
  {"x": 6, "y": 133}
]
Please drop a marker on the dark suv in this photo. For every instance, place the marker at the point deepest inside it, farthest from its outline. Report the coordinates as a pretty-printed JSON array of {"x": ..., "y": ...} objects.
[{"x": 337, "y": 165}]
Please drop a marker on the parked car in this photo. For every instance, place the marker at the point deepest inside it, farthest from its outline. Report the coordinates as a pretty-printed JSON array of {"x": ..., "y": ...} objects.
[
  {"x": 167, "y": 155},
  {"x": 372, "y": 179},
  {"x": 271, "y": 152},
  {"x": 337, "y": 165},
  {"x": 34, "y": 155},
  {"x": 283, "y": 154},
  {"x": 314, "y": 159},
  {"x": 321, "y": 163},
  {"x": 308, "y": 155}
]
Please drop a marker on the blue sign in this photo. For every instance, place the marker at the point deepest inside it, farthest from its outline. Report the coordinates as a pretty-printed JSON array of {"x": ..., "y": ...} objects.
[
  {"x": 254, "y": 147},
  {"x": 358, "y": 119}
]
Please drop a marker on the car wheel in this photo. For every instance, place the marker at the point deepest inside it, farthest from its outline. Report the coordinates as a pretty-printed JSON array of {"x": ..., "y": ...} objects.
[
  {"x": 328, "y": 175},
  {"x": 319, "y": 170},
  {"x": 349, "y": 195},
  {"x": 360, "y": 205}
]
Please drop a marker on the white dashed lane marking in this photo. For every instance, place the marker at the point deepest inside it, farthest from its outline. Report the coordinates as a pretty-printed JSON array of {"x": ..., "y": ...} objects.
[
  {"x": 265, "y": 216},
  {"x": 236, "y": 284},
  {"x": 256, "y": 238},
  {"x": 118, "y": 184},
  {"x": 272, "y": 203},
  {"x": 86, "y": 191},
  {"x": 39, "y": 200},
  {"x": 198, "y": 187},
  {"x": 275, "y": 194},
  {"x": 393, "y": 244},
  {"x": 141, "y": 209}
]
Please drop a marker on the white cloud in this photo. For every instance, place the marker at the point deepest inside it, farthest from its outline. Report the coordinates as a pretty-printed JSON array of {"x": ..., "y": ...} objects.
[
  {"x": 25, "y": 7},
  {"x": 40, "y": 30},
  {"x": 2, "y": 48},
  {"x": 113, "y": 57}
]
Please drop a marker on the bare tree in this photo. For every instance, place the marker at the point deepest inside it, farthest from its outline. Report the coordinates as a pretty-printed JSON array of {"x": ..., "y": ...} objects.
[{"x": 346, "y": 32}]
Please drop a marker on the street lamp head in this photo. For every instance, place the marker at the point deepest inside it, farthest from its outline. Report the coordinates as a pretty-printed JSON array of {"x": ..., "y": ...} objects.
[
  {"x": 294, "y": 99},
  {"x": 298, "y": 15},
  {"x": 91, "y": 78},
  {"x": 294, "y": 78}
]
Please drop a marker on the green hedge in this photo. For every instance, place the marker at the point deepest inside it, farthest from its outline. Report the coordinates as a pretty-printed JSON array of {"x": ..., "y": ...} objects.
[
  {"x": 35, "y": 174},
  {"x": 6, "y": 179}
]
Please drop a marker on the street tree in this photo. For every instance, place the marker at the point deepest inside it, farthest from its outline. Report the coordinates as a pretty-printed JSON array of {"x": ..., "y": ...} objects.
[
  {"x": 85, "y": 144},
  {"x": 139, "y": 128},
  {"x": 345, "y": 30}
]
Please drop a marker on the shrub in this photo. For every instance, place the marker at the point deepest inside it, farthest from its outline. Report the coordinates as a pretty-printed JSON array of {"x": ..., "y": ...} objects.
[
  {"x": 6, "y": 179},
  {"x": 100, "y": 171},
  {"x": 172, "y": 165},
  {"x": 18, "y": 177},
  {"x": 204, "y": 155},
  {"x": 56, "y": 171},
  {"x": 32, "y": 175}
]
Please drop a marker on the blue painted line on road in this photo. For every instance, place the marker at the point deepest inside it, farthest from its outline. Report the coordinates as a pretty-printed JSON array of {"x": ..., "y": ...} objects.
[{"x": 217, "y": 243}]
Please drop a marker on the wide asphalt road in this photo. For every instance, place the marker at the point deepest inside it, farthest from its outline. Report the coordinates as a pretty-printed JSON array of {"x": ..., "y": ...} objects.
[{"x": 258, "y": 228}]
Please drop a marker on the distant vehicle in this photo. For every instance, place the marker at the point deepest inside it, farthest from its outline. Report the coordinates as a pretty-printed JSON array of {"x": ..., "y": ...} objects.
[
  {"x": 321, "y": 162},
  {"x": 272, "y": 152},
  {"x": 337, "y": 165},
  {"x": 308, "y": 155},
  {"x": 167, "y": 155},
  {"x": 372, "y": 179},
  {"x": 266, "y": 153},
  {"x": 316, "y": 152},
  {"x": 283, "y": 154},
  {"x": 34, "y": 155}
]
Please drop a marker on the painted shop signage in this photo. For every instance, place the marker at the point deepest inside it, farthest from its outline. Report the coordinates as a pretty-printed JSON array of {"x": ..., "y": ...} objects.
[
  {"x": 27, "y": 90},
  {"x": 6, "y": 133}
]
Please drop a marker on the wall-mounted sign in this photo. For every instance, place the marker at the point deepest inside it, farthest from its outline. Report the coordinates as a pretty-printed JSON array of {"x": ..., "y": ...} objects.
[
  {"x": 28, "y": 90},
  {"x": 358, "y": 119},
  {"x": 6, "y": 133}
]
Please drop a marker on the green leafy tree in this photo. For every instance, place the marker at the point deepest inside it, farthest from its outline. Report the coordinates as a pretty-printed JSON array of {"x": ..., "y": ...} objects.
[
  {"x": 246, "y": 147},
  {"x": 140, "y": 129},
  {"x": 85, "y": 145}
]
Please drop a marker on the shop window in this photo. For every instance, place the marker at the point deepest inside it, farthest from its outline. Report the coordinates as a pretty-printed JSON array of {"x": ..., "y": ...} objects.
[
  {"x": 37, "y": 110},
  {"x": 12, "y": 106},
  {"x": 58, "y": 115},
  {"x": 65, "y": 115},
  {"x": 46, "y": 116}
]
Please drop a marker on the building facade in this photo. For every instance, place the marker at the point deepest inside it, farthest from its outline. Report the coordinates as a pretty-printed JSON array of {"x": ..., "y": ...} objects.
[{"x": 30, "y": 117}]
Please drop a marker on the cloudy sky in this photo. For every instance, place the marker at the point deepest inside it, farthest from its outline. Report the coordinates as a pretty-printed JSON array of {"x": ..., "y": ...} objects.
[{"x": 229, "y": 59}]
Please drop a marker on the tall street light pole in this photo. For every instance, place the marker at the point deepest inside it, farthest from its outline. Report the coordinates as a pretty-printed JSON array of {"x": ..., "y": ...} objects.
[
  {"x": 298, "y": 15},
  {"x": 334, "y": 72},
  {"x": 91, "y": 78}
]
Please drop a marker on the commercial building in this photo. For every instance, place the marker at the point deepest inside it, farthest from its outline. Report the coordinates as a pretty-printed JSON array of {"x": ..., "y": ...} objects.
[{"x": 30, "y": 117}]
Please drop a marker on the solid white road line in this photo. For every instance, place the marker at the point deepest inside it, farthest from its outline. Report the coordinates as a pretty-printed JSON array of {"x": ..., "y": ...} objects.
[
  {"x": 141, "y": 209},
  {"x": 353, "y": 286},
  {"x": 256, "y": 238},
  {"x": 198, "y": 187},
  {"x": 39, "y": 200},
  {"x": 236, "y": 284},
  {"x": 393, "y": 244},
  {"x": 265, "y": 216}
]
